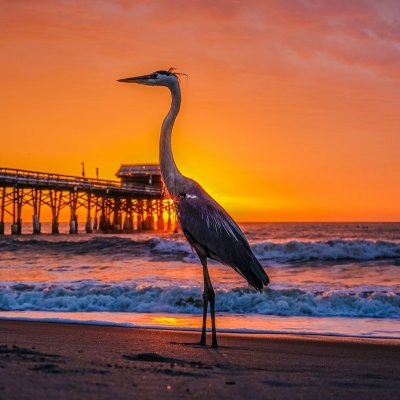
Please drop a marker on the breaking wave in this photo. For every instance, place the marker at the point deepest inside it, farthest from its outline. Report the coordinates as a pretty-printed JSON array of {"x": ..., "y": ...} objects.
[
  {"x": 331, "y": 250},
  {"x": 93, "y": 295},
  {"x": 267, "y": 251}
]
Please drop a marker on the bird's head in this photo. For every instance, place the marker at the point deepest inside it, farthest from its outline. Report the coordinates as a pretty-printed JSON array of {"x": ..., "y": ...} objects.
[{"x": 157, "y": 78}]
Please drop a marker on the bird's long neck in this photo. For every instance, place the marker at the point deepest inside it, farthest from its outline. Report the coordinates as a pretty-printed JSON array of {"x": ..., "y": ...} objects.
[{"x": 169, "y": 170}]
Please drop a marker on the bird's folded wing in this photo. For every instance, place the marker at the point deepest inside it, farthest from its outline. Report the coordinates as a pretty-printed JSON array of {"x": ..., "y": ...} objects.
[{"x": 207, "y": 224}]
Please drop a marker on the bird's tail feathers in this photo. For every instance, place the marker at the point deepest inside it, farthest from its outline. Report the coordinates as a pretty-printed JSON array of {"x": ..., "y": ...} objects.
[{"x": 256, "y": 276}]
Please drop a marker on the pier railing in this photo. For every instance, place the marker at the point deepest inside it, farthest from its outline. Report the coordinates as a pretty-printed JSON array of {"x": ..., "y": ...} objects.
[{"x": 44, "y": 180}]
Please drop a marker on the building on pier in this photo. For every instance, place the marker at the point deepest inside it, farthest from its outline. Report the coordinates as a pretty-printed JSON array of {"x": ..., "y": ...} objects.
[
  {"x": 140, "y": 174},
  {"x": 134, "y": 203}
]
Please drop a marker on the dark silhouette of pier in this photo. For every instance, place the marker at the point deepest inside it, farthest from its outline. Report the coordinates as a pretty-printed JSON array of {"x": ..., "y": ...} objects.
[{"x": 137, "y": 202}]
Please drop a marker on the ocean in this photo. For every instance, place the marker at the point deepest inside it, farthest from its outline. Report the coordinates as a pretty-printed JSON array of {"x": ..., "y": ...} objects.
[{"x": 326, "y": 279}]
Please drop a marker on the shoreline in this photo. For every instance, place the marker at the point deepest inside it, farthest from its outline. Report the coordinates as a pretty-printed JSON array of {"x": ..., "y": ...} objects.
[
  {"x": 251, "y": 333},
  {"x": 69, "y": 361},
  {"x": 252, "y": 324}
]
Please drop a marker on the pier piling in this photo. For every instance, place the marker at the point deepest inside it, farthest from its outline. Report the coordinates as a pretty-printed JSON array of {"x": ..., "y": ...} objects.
[
  {"x": 2, "y": 210},
  {"x": 88, "y": 225}
]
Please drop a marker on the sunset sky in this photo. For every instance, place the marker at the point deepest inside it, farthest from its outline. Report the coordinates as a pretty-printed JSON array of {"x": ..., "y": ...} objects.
[{"x": 290, "y": 112}]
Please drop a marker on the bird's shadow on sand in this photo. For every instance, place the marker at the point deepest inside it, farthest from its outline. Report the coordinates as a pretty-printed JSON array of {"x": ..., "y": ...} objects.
[{"x": 197, "y": 345}]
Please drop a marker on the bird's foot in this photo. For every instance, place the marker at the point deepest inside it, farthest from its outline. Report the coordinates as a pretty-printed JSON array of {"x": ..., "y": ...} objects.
[
  {"x": 202, "y": 339},
  {"x": 214, "y": 345}
]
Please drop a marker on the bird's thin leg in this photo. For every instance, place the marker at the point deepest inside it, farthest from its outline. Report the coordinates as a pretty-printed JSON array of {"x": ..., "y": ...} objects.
[
  {"x": 212, "y": 309},
  {"x": 211, "y": 298},
  {"x": 203, "y": 330},
  {"x": 205, "y": 302}
]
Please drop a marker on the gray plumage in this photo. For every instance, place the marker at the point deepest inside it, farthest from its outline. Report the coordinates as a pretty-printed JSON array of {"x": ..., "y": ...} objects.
[
  {"x": 205, "y": 223},
  {"x": 210, "y": 230}
]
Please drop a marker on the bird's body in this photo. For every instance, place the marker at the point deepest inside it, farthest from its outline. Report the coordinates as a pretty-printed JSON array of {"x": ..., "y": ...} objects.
[{"x": 209, "y": 229}]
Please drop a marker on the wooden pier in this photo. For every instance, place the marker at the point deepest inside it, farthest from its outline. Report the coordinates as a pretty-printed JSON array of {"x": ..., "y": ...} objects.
[{"x": 135, "y": 203}]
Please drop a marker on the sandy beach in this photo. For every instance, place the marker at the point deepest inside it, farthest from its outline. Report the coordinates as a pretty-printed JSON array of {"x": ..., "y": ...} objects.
[{"x": 49, "y": 360}]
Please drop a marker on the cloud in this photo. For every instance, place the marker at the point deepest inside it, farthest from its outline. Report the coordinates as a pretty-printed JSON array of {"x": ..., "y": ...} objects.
[{"x": 363, "y": 34}]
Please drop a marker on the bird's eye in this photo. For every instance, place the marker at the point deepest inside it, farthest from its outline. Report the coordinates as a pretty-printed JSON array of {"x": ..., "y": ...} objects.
[{"x": 153, "y": 76}]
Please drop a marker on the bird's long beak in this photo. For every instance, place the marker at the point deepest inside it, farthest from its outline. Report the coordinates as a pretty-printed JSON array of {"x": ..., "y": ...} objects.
[{"x": 135, "y": 79}]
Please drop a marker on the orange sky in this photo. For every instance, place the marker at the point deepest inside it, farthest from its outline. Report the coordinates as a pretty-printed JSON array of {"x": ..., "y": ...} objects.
[{"x": 291, "y": 110}]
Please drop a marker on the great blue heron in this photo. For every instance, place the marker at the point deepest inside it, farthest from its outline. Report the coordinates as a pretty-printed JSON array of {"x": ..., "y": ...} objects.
[{"x": 210, "y": 230}]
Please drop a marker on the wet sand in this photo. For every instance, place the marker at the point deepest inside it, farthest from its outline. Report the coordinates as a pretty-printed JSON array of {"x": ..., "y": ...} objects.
[{"x": 62, "y": 361}]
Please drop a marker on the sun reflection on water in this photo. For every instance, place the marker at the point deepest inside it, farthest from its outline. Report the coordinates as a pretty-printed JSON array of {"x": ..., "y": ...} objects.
[{"x": 168, "y": 321}]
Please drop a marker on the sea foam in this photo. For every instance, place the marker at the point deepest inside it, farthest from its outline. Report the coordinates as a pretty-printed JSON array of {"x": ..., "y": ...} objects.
[{"x": 93, "y": 295}]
